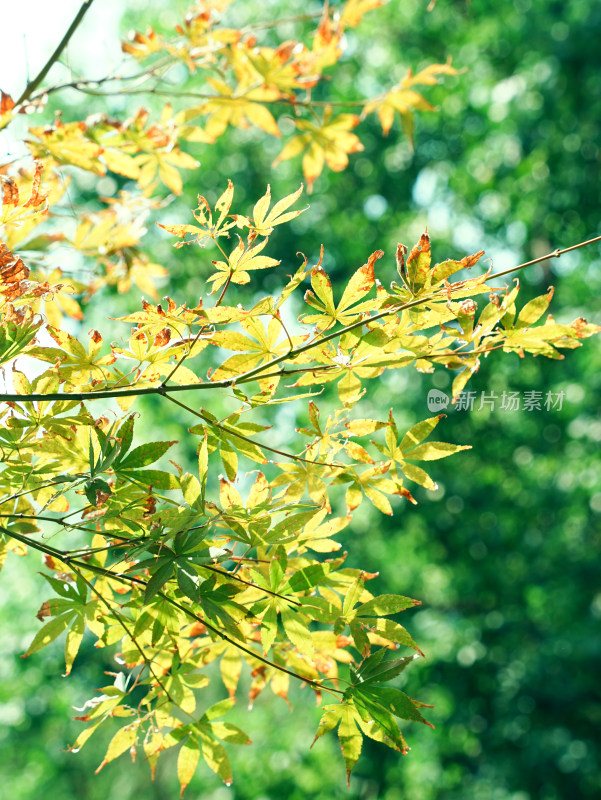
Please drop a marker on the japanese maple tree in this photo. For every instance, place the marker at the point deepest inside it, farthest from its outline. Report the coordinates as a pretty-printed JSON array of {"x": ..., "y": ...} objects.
[{"x": 238, "y": 560}]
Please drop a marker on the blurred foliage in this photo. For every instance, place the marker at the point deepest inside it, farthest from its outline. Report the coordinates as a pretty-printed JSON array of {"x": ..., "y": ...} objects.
[{"x": 505, "y": 558}]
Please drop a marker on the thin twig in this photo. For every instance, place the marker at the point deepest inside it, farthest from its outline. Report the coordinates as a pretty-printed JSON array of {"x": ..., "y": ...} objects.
[
  {"x": 184, "y": 355},
  {"x": 294, "y": 102},
  {"x": 225, "y": 573},
  {"x": 33, "y": 84},
  {"x": 244, "y": 438},
  {"x": 34, "y": 489},
  {"x": 58, "y": 520},
  {"x": 554, "y": 254},
  {"x": 227, "y": 283}
]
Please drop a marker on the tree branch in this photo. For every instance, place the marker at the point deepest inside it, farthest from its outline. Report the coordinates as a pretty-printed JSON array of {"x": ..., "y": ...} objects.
[
  {"x": 35, "y": 82},
  {"x": 224, "y": 384},
  {"x": 120, "y": 619},
  {"x": 251, "y": 374}
]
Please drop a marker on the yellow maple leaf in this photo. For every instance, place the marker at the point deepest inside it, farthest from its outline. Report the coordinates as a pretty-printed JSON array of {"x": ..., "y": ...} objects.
[
  {"x": 404, "y": 100},
  {"x": 265, "y": 219},
  {"x": 354, "y": 11},
  {"x": 239, "y": 108},
  {"x": 329, "y": 144}
]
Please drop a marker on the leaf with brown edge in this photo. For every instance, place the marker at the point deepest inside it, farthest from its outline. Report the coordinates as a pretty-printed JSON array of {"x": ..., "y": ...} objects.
[
  {"x": 393, "y": 632},
  {"x": 363, "y": 427},
  {"x": 13, "y": 274},
  {"x": 440, "y": 272},
  {"x": 361, "y": 282},
  {"x": 162, "y": 338},
  {"x": 385, "y": 604},
  {"x": 346, "y": 717},
  {"x": 123, "y": 740},
  {"x": 418, "y": 263},
  {"x": 349, "y": 309},
  {"x": 10, "y": 191},
  {"x": 37, "y": 195}
]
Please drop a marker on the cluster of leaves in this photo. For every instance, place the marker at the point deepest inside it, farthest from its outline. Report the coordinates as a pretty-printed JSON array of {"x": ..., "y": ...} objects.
[
  {"x": 178, "y": 569},
  {"x": 246, "y": 84},
  {"x": 180, "y": 576}
]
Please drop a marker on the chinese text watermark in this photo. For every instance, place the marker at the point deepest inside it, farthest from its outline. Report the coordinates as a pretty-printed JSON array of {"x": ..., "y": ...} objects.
[{"x": 531, "y": 400}]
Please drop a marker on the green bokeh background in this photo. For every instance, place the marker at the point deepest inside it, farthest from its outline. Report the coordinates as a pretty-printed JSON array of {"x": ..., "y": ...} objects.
[{"x": 505, "y": 555}]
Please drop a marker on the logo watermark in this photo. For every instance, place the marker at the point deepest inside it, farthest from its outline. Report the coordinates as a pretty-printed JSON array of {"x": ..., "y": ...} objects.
[
  {"x": 437, "y": 400},
  {"x": 506, "y": 401}
]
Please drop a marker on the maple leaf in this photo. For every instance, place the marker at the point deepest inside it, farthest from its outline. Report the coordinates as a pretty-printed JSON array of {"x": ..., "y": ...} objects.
[
  {"x": 325, "y": 51},
  {"x": 164, "y": 165},
  {"x": 68, "y": 144},
  {"x": 349, "y": 309},
  {"x": 411, "y": 447},
  {"x": 300, "y": 477},
  {"x": 77, "y": 365},
  {"x": 115, "y": 228},
  {"x": 418, "y": 277},
  {"x": 138, "y": 149},
  {"x": 353, "y": 11},
  {"x": 138, "y": 270},
  {"x": 260, "y": 346},
  {"x": 26, "y": 197},
  {"x": 404, "y": 100},
  {"x": 19, "y": 286},
  {"x": 329, "y": 143},
  {"x": 274, "y": 68},
  {"x": 264, "y": 220},
  {"x": 240, "y": 108},
  {"x": 6, "y": 106},
  {"x": 143, "y": 45},
  {"x": 206, "y": 229},
  {"x": 13, "y": 275},
  {"x": 241, "y": 260}
]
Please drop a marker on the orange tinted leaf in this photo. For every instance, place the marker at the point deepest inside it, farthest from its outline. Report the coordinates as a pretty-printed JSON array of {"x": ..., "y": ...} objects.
[
  {"x": 6, "y": 103},
  {"x": 361, "y": 282}
]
